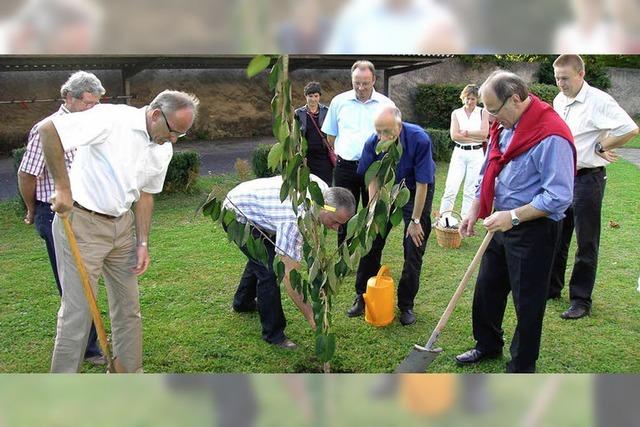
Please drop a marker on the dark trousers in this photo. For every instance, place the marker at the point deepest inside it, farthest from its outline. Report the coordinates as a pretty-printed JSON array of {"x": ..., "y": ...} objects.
[
  {"x": 259, "y": 281},
  {"x": 584, "y": 215},
  {"x": 345, "y": 175},
  {"x": 43, "y": 219},
  {"x": 517, "y": 261},
  {"x": 410, "y": 279}
]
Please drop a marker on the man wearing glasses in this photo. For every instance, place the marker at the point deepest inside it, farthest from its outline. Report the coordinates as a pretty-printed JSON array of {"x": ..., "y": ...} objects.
[
  {"x": 526, "y": 184},
  {"x": 123, "y": 160},
  {"x": 80, "y": 92}
]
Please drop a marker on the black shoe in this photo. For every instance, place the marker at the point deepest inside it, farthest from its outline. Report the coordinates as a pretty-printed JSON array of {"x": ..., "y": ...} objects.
[
  {"x": 474, "y": 356},
  {"x": 407, "y": 317},
  {"x": 286, "y": 344},
  {"x": 253, "y": 306},
  {"x": 357, "y": 309},
  {"x": 576, "y": 312}
]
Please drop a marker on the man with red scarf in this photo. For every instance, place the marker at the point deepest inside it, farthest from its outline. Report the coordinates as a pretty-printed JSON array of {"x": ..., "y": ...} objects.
[{"x": 526, "y": 184}]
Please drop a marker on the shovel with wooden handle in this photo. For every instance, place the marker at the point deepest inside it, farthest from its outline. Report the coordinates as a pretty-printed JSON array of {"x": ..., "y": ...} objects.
[
  {"x": 113, "y": 364},
  {"x": 421, "y": 357}
]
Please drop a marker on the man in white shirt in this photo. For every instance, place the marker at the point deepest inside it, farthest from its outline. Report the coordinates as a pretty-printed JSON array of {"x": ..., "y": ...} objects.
[
  {"x": 348, "y": 124},
  {"x": 123, "y": 159},
  {"x": 598, "y": 125}
]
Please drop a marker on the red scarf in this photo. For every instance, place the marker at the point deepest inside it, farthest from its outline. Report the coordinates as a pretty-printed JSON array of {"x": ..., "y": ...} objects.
[{"x": 537, "y": 122}]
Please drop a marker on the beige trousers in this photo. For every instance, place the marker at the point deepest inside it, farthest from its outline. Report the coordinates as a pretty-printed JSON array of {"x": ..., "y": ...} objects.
[{"x": 107, "y": 246}]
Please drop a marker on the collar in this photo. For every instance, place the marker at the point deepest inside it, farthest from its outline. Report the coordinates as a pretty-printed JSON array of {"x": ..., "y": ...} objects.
[
  {"x": 140, "y": 122},
  {"x": 580, "y": 96},
  {"x": 64, "y": 109},
  {"x": 375, "y": 96}
]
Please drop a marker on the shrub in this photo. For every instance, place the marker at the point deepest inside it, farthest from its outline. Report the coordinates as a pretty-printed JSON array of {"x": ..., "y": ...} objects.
[
  {"x": 17, "y": 155},
  {"x": 442, "y": 144},
  {"x": 544, "y": 91},
  {"x": 434, "y": 104},
  {"x": 259, "y": 162},
  {"x": 183, "y": 172}
]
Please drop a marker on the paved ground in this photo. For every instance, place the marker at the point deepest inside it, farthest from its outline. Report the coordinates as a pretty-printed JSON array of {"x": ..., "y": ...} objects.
[{"x": 217, "y": 157}]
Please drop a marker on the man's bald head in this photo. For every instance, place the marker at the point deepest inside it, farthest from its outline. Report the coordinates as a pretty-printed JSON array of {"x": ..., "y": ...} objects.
[{"x": 388, "y": 123}]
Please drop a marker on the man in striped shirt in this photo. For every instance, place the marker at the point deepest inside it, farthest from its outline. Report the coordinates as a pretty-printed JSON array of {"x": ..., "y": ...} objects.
[
  {"x": 258, "y": 202},
  {"x": 80, "y": 92}
]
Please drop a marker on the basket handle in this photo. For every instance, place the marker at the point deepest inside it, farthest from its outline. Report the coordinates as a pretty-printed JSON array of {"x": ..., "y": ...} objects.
[{"x": 453, "y": 212}]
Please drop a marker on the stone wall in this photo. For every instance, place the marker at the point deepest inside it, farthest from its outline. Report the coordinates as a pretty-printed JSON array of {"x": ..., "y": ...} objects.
[{"x": 233, "y": 106}]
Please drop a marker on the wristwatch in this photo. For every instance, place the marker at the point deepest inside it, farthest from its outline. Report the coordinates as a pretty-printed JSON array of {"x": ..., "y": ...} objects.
[
  {"x": 415, "y": 220},
  {"x": 599, "y": 148},
  {"x": 514, "y": 218}
]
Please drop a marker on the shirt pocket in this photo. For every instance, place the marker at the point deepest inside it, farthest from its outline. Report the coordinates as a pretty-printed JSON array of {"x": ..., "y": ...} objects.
[{"x": 517, "y": 174}]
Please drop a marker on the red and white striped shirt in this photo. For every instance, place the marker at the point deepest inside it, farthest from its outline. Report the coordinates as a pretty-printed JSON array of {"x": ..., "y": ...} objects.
[{"x": 33, "y": 160}]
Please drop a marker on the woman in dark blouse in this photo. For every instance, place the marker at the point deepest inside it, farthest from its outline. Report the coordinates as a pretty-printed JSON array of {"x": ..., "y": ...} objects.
[{"x": 311, "y": 116}]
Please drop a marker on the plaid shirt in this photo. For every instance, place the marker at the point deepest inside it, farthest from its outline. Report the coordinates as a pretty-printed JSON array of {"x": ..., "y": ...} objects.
[
  {"x": 259, "y": 201},
  {"x": 33, "y": 161}
]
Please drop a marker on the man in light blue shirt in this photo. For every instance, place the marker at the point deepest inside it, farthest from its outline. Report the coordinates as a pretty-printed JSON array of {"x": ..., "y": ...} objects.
[{"x": 348, "y": 124}]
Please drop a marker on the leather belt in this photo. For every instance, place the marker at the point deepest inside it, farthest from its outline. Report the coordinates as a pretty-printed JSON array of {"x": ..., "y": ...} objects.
[
  {"x": 352, "y": 162},
  {"x": 469, "y": 146},
  {"x": 586, "y": 171},
  {"x": 79, "y": 206}
]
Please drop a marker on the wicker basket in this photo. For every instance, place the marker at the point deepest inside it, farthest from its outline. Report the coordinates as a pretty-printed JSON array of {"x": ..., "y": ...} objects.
[{"x": 448, "y": 237}]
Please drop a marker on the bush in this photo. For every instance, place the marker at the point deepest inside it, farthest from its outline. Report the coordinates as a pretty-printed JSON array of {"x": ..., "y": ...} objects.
[
  {"x": 434, "y": 104},
  {"x": 17, "y": 155},
  {"x": 544, "y": 91},
  {"x": 442, "y": 144},
  {"x": 259, "y": 162},
  {"x": 183, "y": 172}
]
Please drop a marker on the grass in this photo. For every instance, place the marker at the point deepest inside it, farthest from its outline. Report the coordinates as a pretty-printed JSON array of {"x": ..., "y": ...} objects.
[{"x": 188, "y": 325}]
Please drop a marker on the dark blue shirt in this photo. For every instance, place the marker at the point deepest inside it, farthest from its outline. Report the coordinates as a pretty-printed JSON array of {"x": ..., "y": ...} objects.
[{"x": 416, "y": 163}]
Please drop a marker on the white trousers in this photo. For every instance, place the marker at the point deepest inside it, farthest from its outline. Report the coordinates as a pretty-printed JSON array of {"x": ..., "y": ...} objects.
[{"x": 464, "y": 164}]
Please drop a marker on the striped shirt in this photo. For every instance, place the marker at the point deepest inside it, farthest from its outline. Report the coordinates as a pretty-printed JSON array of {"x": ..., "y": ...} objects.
[
  {"x": 259, "y": 201},
  {"x": 33, "y": 160}
]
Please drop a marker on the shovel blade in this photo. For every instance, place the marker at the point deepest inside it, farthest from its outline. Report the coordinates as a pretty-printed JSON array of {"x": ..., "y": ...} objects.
[{"x": 417, "y": 361}]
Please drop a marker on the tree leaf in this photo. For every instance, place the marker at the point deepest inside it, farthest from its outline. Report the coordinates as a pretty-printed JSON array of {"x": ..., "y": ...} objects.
[
  {"x": 381, "y": 214},
  {"x": 279, "y": 269},
  {"x": 215, "y": 212},
  {"x": 275, "y": 156},
  {"x": 284, "y": 190},
  {"x": 275, "y": 74},
  {"x": 403, "y": 197},
  {"x": 372, "y": 171},
  {"x": 396, "y": 216},
  {"x": 295, "y": 279},
  {"x": 261, "y": 252},
  {"x": 257, "y": 64},
  {"x": 316, "y": 193},
  {"x": 207, "y": 208},
  {"x": 228, "y": 216}
]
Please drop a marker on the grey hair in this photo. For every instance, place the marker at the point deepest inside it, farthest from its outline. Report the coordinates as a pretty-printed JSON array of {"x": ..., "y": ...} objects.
[
  {"x": 81, "y": 82},
  {"x": 504, "y": 84},
  {"x": 340, "y": 198},
  {"x": 170, "y": 101}
]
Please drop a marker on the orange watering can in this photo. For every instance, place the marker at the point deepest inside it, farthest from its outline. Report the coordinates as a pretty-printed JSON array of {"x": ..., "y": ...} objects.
[{"x": 378, "y": 299}]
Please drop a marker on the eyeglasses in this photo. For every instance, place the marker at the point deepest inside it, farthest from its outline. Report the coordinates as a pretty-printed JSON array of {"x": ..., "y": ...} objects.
[
  {"x": 177, "y": 134},
  {"x": 495, "y": 113}
]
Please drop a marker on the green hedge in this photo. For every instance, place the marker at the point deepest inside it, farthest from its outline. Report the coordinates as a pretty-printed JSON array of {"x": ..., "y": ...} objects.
[
  {"x": 434, "y": 104},
  {"x": 259, "y": 163},
  {"x": 442, "y": 144},
  {"x": 17, "y": 155},
  {"x": 544, "y": 92},
  {"x": 183, "y": 172}
]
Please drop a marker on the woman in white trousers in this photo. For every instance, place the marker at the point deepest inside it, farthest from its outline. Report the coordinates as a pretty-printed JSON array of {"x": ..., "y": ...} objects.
[{"x": 469, "y": 128}]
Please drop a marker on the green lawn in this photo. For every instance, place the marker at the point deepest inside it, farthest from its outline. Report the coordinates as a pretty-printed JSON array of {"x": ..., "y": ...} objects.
[{"x": 189, "y": 325}]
